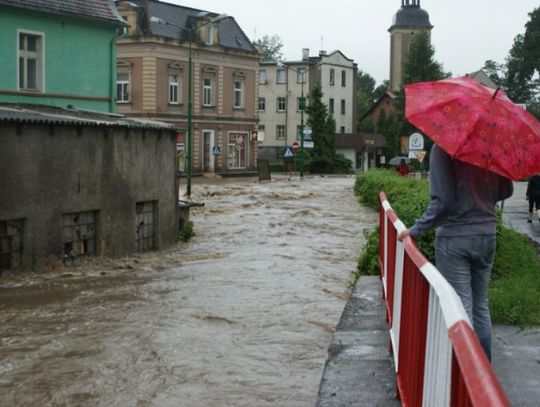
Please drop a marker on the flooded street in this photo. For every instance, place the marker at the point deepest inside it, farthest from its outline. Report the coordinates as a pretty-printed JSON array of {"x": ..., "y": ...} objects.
[{"x": 241, "y": 315}]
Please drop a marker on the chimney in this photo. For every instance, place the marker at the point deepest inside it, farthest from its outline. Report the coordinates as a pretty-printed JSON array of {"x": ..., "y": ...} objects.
[
  {"x": 305, "y": 54},
  {"x": 322, "y": 53}
]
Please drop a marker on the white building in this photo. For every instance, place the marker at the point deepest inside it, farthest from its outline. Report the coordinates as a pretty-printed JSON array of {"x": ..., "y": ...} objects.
[{"x": 280, "y": 89}]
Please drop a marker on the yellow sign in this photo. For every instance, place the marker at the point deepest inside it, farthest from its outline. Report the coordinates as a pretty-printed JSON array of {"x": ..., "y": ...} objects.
[{"x": 420, "y": 155}]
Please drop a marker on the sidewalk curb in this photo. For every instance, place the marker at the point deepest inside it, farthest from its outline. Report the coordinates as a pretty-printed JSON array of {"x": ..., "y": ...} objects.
[{"x": 359, "y": 370}]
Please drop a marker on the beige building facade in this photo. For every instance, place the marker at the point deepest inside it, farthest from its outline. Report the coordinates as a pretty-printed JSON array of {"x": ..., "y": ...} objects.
[
  {"x": 281, "y": 86},
  {"x": 153, "y": 81}
]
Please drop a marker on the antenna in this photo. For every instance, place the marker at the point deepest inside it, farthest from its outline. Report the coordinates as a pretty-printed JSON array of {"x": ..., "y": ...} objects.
[{"x": 322, "y": 41}]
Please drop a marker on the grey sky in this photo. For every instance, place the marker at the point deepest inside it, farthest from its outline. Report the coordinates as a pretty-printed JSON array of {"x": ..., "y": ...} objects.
[{"x": 465, "y": 33}]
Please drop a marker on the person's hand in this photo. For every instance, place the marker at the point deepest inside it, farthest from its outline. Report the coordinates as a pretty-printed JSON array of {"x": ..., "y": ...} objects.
[{"x": 403, "y": 234}]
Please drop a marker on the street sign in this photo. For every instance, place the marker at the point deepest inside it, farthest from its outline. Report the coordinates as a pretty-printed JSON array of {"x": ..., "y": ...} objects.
[
  {"x": 420, "y": 155},
  {"x": 216, "y": 150},
  {"x": 288, "y": 153},
  {"x": 416, "y": 142}
]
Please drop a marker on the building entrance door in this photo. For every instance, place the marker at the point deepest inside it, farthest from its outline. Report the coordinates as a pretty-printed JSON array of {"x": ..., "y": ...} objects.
[{"x": 208, "y": 158}]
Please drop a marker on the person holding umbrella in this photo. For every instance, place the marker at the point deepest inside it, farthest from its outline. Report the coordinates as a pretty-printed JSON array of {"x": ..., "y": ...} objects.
[{"x": 481, "y": 141}]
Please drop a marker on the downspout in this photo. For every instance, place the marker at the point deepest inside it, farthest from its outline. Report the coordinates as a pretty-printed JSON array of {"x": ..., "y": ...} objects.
[{"x": 112, "y": 90}]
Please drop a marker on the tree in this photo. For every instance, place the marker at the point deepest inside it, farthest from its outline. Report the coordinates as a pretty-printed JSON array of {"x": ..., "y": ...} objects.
[
  {"x": 365, "y": 84},
  {"x": 270, "y": 47},
  {"x": 420, "y": 64},
  {"x": 531, "y": 39},
  {"x": 323, "y": 132},
  {"x": 517, "y": 75}
]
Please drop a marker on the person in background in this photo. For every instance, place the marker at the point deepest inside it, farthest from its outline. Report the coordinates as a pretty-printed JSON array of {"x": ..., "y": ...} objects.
[
  {"x": 403, "y": 168},
  {"x": 533, "y": 195},
  {"x": 462, "y": 209}
]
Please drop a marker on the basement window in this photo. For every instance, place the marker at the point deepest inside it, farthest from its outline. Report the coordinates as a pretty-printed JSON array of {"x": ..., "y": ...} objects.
[
  {"x": 79, "y": 234},
  {"x": 11, "y": 236}
]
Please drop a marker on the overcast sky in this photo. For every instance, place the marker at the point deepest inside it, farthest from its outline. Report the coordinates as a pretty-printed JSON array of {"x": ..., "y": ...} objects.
[{"x": 466, "y": 32}]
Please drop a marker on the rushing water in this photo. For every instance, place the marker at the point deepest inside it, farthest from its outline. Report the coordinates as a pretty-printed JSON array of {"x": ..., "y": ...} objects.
[{"x": 241, "y": 315}]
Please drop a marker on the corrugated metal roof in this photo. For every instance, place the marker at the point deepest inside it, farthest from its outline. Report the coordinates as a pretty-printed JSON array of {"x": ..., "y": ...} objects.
[
  {"x": 104, "y": 10},
  {"x": 51, "y": 115}
]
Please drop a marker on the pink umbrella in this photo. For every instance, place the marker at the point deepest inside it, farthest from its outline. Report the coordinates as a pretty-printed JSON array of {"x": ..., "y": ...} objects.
[{"x": 476, "y": 124}]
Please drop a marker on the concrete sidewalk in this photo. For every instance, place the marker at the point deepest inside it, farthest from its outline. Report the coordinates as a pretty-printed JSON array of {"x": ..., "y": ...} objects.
[
  {"x": 360, "y": 371},
  {"x": 516, "y": 351}
]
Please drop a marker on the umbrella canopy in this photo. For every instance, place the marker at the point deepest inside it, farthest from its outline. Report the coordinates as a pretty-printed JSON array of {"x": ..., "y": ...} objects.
[
  {"x": 397, "y": 160},
  {"x": 476, "y": 124}
]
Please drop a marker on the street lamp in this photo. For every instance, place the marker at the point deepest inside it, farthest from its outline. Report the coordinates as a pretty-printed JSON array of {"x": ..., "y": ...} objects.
[
  {"x": 301, "y": 72},
  {"x": 190, "y": 32}
]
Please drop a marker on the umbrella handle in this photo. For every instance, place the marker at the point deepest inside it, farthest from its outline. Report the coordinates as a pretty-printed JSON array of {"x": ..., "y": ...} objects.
[{"x": 496, "y": 91}]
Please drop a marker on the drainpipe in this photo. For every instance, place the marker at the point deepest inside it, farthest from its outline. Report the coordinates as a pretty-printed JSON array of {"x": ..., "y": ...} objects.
[{"x": 112, "y": 91}]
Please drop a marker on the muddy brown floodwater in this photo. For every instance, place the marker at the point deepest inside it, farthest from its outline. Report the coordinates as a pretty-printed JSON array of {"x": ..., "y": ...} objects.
[{"x": 241, "y": 315}]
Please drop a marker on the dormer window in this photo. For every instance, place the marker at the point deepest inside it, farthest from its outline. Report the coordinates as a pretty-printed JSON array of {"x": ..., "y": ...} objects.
[{"x": 209, "y": 34}]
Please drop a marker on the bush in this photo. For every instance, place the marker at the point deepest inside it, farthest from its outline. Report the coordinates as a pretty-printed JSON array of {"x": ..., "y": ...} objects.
[
  {"x": 186, "y": 232},
  {"x": 515, "y": 288}
]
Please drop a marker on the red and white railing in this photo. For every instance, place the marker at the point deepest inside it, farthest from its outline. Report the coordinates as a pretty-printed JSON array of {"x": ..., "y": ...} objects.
[{"x": 438, "y": 358}]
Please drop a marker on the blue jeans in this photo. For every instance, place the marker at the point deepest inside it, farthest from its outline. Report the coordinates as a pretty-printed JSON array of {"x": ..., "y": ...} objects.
[{"x": 466, "y": 263}]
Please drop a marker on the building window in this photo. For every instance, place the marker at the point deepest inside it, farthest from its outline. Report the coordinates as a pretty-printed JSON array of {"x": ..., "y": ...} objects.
[
  {"x": 301, "y": 75},
  {"x": 209, "y": 34},
  {"x": 300, "y": 105},
  {"x": 261, "y": 129},
  {"x": 123, "y": 78},
  {"x": 332, "y": 76},
  {"x": 208, "y": 92},
  {"x": 343, "y": 78},
  {"x": 281, "y": 104},
  {"x": 11, "y": 244},
  {"x": 79, "y": 234},
  {"x": 280, "y": 132},
  {"x": 262, "y": 77},
  {"x": 30, "y": 61},
  {"x": 342, "y": 129},
  {"x": 237, "y": 153},
  {"x": 331, "y": 106},
  {"x": 281, "y": 76},
  {"x": 262, "y": 104},
  {"x": 122, "y": 87},
  {"x": 173, "y": 89},
  {"x": 342, "y": 106},
  {"x": 238, "y": 94}
]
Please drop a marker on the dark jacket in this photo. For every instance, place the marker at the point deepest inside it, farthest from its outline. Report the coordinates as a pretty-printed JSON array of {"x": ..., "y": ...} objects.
[
  {"x": 533, "y": 187},
  {"x": 463, "y": 198}
]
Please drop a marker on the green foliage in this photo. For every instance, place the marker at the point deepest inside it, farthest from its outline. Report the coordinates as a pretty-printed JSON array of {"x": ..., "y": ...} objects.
[
  {"x": 269, "y": 47},
  {"x": 341, "y": 165},
  {"x": 514, "y": 293},
  {"x": 517, "y": 75},
  {"x": 186, "y": 232},
  {"x": 323, "y": 133},
  {"x": 420, "y": 64},
  {"x": 515, "y": 288}
]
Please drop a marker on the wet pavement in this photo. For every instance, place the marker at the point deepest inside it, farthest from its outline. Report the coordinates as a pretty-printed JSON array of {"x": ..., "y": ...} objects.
[
  {"x": 241, "y": 315},
  {"x": 516, "y": 350}
]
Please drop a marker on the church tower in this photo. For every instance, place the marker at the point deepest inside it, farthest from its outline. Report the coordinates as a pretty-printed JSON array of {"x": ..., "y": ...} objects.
[{"x": 409, "y": 20}]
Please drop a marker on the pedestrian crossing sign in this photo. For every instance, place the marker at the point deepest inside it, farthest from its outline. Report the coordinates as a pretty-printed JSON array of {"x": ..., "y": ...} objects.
[
  {"x": 288, "y": 153},
  {"x": 216, "y": 150}
]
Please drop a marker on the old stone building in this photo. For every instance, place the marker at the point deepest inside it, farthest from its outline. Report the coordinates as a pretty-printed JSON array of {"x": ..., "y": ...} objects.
[
  {"x": 154, "y": 59},
  {"x": 76, "y": 183}
]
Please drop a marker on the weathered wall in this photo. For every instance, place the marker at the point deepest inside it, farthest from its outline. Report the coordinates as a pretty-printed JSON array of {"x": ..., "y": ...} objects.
[{"x": 47, "y": 171}]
